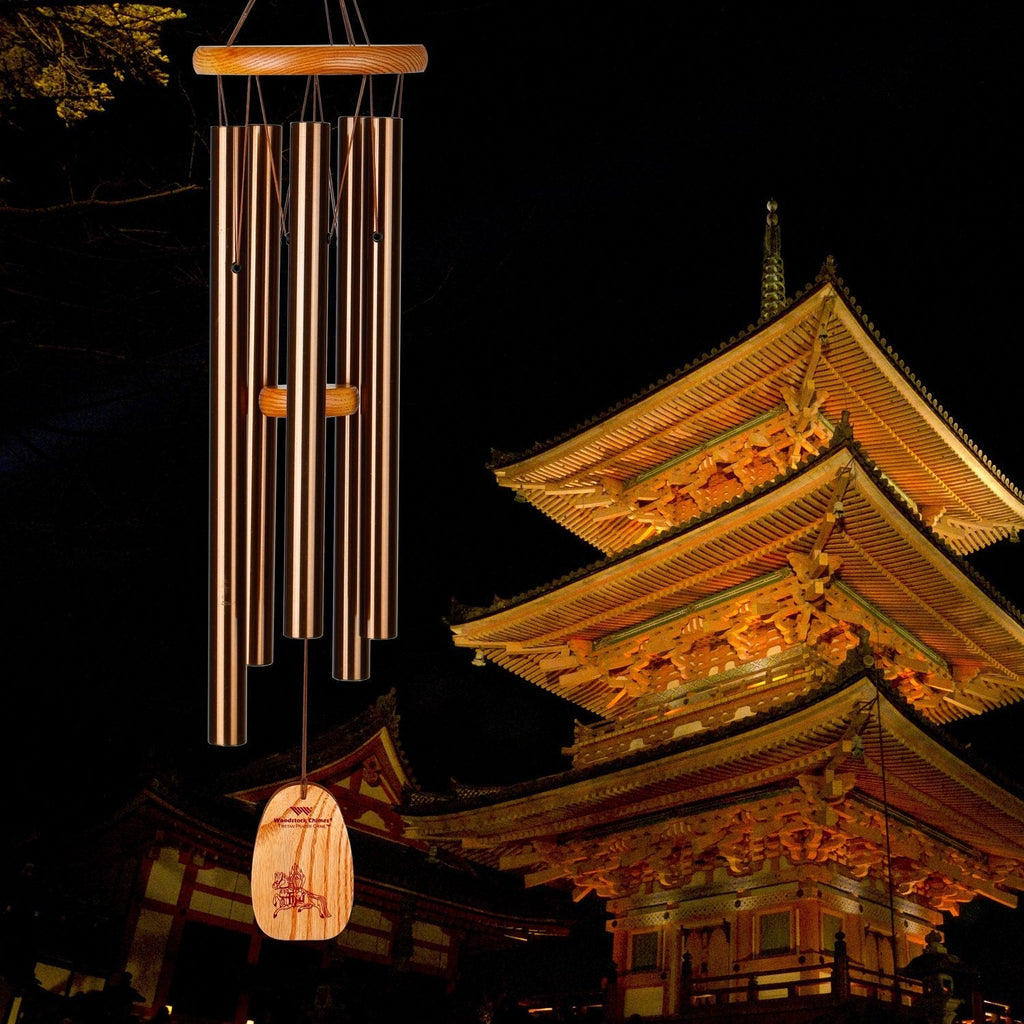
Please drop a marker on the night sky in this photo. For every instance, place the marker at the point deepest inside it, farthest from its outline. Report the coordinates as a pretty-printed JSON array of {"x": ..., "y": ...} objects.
[{"x": 584, "y": 202}]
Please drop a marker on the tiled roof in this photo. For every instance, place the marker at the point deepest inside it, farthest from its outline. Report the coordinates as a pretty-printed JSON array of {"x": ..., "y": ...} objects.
[
  {"x": 888, "y": 557},
  {"x": 932, "y": 779},
  {"x": 323, "y": 748},
  {"x": 914, "y": 440}
]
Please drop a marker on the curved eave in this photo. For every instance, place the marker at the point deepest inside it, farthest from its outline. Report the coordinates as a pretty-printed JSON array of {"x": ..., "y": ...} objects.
[
  {"x": 936, "y": 784},
  {"x": 646, "y": 781},
  {"x": 341, "y": 746},
  {"x": 888, "y": 557},
  {"x": 928, "y": 782},
  {"x": 225, "y": 830},
  {"x": 912, "y": 438}
]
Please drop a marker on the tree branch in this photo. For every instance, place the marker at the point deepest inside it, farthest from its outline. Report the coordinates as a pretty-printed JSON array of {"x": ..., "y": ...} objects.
[{"x": 79, "y": 204}]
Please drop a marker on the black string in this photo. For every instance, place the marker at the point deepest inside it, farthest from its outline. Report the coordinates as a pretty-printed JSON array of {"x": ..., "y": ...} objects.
[
  {"x": 362, "y": 25},
  {"x": 396, "y": 103},
  {"x": 345, "y": 167},
  {"x": 349, "y": 34},
  {"x": 305, "y": 706},
  {"x": 236, "y": 265},
  {"x": 327, "y": 18},
  {"x": 888, "y": 847},
  {"x": 241, "y": 20},
  {"x": 222, "y": 103},
  {"x": 273, "y": 163}
]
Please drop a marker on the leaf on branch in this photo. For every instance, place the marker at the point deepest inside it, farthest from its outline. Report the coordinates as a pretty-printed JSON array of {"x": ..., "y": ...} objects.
[{"x": 71, "y": 54}]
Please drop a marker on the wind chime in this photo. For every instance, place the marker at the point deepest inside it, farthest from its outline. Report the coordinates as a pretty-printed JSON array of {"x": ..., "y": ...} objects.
[{"x": 302, "y": 862}]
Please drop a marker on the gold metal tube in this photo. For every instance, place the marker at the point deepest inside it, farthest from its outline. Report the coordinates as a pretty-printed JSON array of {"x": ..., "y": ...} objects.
[
  {"x": 351, "y": 647},
  {"x": 263, "y": 269},
  {"x": 308, "y": 209},
  {"x": 380, "y": 379},
  {"x": 227, "y": 689}
]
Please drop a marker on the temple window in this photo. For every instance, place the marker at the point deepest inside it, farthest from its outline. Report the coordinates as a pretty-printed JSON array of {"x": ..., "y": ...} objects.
[
  {"x": 644, "y": 951},
  {"x": 831, "y": 924},
  {"x": 774, "y": 933}
]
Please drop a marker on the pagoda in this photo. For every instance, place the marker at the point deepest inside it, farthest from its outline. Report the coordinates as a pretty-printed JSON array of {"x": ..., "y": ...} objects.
[{"x": 782, "y": 623}]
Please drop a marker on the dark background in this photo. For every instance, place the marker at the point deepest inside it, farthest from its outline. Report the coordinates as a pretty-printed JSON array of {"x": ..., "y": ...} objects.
[{"x": 584, "y": 200}]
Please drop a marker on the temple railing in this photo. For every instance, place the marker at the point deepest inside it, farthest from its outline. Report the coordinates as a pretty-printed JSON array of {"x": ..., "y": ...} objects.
[{"x": 798, "y": 982}]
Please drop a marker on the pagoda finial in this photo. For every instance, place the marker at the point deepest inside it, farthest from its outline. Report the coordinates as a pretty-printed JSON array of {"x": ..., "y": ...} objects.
[{"x": 773, "y": 276}]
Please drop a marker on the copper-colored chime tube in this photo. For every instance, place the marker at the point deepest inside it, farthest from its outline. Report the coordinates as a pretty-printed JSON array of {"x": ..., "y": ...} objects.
[
  {"x": 263, "y": 265},
  {"x": 309, "y": 168},
  {"x": 227, "y": 694},
  {"x": 379, "y": 390},
  {"x": 351, "y": 647}
]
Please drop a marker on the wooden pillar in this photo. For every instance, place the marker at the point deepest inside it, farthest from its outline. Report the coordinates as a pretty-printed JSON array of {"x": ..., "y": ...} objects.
[
  {"x": 251, "y": 960},
  {"x": 686, "y": 982},
  {"x": 610, "y": 995},
  {"x": 671, "y": 966},
  {"x": 841, "y": 969},
  {"x": 188, "y": 884}
]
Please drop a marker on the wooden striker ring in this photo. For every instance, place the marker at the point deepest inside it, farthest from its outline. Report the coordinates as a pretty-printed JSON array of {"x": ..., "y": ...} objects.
[{"x": 339, "y": 400}]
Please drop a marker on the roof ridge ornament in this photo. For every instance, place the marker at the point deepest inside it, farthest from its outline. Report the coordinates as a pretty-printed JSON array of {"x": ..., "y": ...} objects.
[
  {"x": 773, "y": 276},
  {"x": 829, "y": 271}
]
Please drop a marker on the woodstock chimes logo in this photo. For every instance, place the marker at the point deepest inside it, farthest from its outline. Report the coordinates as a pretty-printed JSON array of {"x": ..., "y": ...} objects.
[{"x": 303, "y": 818}]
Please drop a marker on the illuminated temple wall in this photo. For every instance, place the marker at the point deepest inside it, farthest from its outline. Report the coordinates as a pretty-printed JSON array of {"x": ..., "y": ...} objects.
[
  {"x": 191, "y": 902},
  {"x": 769, "y": 931}
]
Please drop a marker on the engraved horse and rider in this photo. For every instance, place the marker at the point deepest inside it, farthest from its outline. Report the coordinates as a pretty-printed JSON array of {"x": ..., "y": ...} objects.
[{"x": 290, "y": 893}]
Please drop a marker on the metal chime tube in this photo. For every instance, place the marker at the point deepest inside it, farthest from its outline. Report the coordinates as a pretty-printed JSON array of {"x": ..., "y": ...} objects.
[
  {"x": 351, "y": 647},
  {"x": 227, "y": 696},
  {"x": 308, "y": 209},
  {"x": 263, "y": 266},
  {"x": 380, "y": 379}
]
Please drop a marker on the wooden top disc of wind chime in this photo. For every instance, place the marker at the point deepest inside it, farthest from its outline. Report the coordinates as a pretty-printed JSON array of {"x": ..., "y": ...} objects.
[
  {"x": 302, "y": 875},
  {"x": 352, "y": 59}
]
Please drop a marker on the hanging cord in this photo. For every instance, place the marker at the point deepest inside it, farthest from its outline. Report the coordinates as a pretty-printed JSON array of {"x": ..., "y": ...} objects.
[
  {"x": 313, "y": 99},
  {"x": 345, "y": 167},
  {"x": 396, "y": 103},
  {"x": 377, "y": 236},
  {"x": 366, "y": 38},
  {"x": 318, "y": 101},
  {"x": 305, "y": 707},
  {"x": 327, "y": 18},
  {"x": 273, "y": 164},
  {"x": 349, "y": 34},
  {"x": 888, "y": 848},
  {"x": 236, "y": 263},
  {"x": 222, "y": 104},
  {"x": 362, "y": 24},
  {"x": 241, "y": 21}
]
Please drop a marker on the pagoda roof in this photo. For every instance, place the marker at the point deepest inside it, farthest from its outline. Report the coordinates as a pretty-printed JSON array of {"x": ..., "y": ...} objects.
[
  {"x": 329, "y": 752},
  {"x": 815, "y": 360},
  {"x": 851, "y": 742},
  {"x": 360, "y": 762},
  {"x": 830, "y": 537}
]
